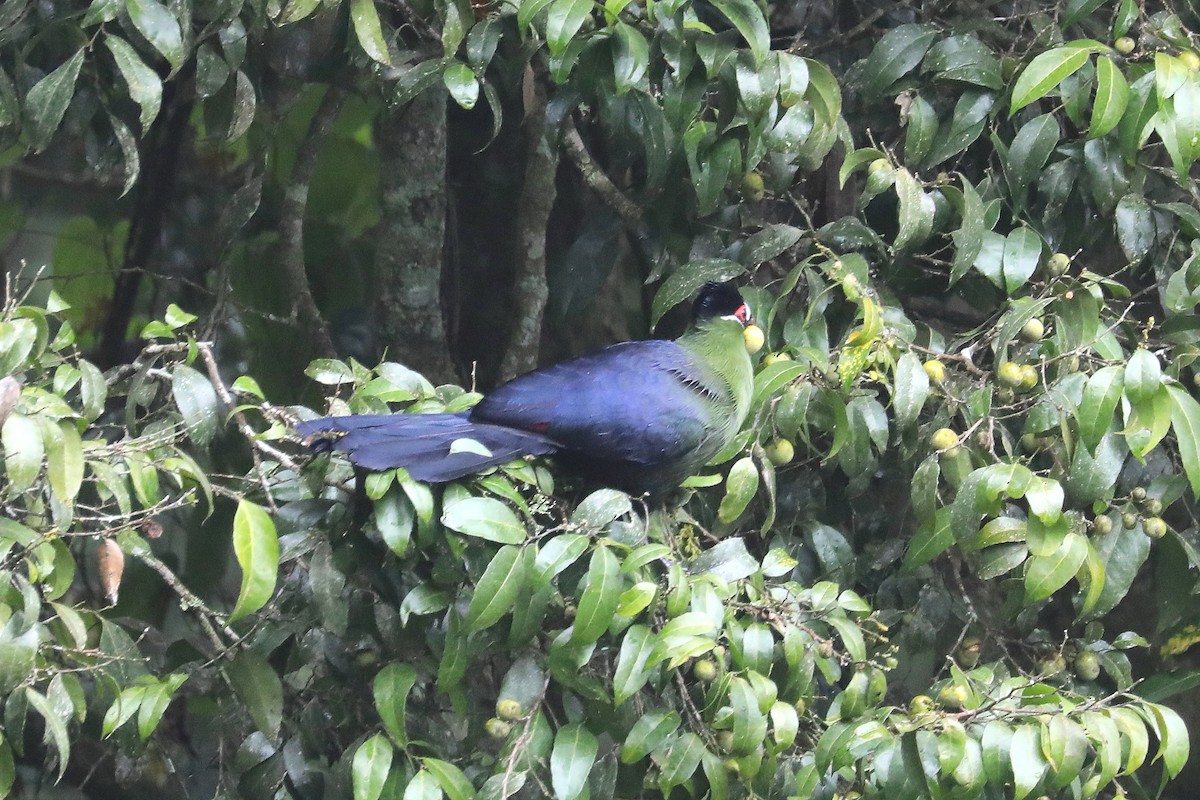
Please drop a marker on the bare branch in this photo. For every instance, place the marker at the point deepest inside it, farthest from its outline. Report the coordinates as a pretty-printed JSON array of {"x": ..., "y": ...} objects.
[{"x": 291, "y": 225}]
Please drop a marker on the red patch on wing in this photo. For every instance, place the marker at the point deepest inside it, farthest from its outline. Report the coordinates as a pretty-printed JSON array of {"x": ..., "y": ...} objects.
[{"x": 541, "y": 427}]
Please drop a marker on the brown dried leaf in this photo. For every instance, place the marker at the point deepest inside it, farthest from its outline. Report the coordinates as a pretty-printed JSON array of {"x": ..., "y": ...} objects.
[{"x": 110, "y": 564}]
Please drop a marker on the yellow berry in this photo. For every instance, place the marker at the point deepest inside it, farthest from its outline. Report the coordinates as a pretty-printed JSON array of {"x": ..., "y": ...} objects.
[
  {"x": 1190, "y": 60},
  {"x": 943, "y": 439},
  {"x": 753, "y": 186},
  {"x": 754, "y": 338},
  {"x": 1033, "y": 330},
  {"x": 936, "y": 371},
  {"x": 1029, "y": 377},
  {"x": 953, "y": 696},
  {"x": 921, "y": 704},
  {"x": 1087, "y": 665},
  {"x": 509, "y": 709},
  {"x": 1058, "y": 264},
  {"x": 780, "y": 452},
  {"x": 1124, "y": 45},
  {"x": 968, "y": 652},
  {"x": 774, "y": 358},
  {"x": 1155, "y": 528},
  {"x": 497, "y": 728},
  {"x": 705, "y": 670}
]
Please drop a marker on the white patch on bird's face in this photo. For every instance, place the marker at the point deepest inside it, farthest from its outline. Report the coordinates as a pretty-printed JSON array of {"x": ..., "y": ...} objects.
[{"x": 742, "y": 316}]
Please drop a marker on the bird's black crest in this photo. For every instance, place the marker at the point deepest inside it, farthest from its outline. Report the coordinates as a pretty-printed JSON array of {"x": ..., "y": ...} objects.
[{"x": 717, "y": 300}]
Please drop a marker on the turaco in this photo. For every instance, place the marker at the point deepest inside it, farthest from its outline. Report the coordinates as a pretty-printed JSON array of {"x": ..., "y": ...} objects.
[{"x": 638, "y": 416}]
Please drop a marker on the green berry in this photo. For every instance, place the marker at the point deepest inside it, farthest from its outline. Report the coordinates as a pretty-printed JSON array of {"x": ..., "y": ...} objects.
[{"x": 1009, "y": 374}]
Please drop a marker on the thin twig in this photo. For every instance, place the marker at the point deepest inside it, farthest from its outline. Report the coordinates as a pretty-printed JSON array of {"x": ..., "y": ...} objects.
[
  {"x": 257, "y": 446},
  {"x": 189, "y": 599}
]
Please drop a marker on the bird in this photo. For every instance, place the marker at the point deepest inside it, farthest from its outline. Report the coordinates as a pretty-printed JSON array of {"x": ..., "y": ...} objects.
[{"x": 637, "y": 416}]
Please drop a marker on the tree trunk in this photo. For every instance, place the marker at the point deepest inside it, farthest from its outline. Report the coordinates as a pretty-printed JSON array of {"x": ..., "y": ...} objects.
[{"x": 410, "y": 238}]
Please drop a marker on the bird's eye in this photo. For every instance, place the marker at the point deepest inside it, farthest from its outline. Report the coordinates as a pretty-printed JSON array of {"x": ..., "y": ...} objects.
[{"x": 743, "y": 313}]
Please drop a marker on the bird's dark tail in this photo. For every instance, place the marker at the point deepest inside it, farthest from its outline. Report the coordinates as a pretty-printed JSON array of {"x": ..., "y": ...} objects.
[{"x": 432, "y": 447}]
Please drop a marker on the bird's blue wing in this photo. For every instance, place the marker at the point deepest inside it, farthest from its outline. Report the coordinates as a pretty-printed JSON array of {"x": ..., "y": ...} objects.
[{"x": 641, "y": 402}]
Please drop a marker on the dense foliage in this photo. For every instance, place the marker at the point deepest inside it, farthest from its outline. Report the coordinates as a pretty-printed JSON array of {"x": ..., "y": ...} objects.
[{"x": 954, "y": 554}]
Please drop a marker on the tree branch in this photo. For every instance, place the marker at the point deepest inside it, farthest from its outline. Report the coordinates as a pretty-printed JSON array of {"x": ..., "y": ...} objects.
[
  {"x": 291, "y": 224},
  {"x": 597, "y": 179}
]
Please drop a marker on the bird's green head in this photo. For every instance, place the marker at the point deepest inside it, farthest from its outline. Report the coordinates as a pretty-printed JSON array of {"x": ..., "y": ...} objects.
[{"x": 721, "y": 301}]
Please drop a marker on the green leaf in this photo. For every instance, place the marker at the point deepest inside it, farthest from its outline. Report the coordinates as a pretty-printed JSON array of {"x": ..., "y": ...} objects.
[
  {"x": 1046, "y": 71},
  {"x": 1185, "y": 421},
  {"x": 370, "y": 767},
  {"x": 1135, "y": 227},
  {"x": 600, "y": 508},
  {"x": 895, "y": 54},
  {"x": 369, "y": 32},
  {"x": 1065, "y": 746},
  {"x": 648, "y": 734},
  {"x": 18, "y": 650},
  {"x": 631, "y": 673},
  {"x": 257, "y": 548},
  {"x": 740, "y": 488},
  {"x": 47, "y": 101},
  {"x": 1172, "y": 735},
  {"x": 197, "y": 402},
  {"x": 563, "y": 21},
  {"x": 1045, "y": 498},
  {"x": 506, "y": 576},
  {"x": 557, "y": 554},
  {"x": 1022, "y": 252},
  {"x": 1100, "y": 398},
  {"x": 462, "y": 83},
  {"x": 390, "y": 688},
  {"x": 145, "y": 87},
  {"x": 155, "y": 22},
  {"x": 599, "y": 600},
  {"x": 1170, "y": 73},
  {"x": 8, "y": 770},
  {"x": 528, "y": 11},
  {"x": 679, "y": 761},
  {"x": 728, "y": 561},
  {"x": 748, "y": 18},
  {"x": 21, "y": 437},
  {"x": 1112, "y": 97},
  {"x": 1045, "y": 575},
  {"x": 917, "y": 211},
  {"x": 56, "y": 728},
  {"x": 1027, "y": 156},
  {"x": 485, "y": 518},
  {"x": 260, "y": 690},
  {"x": 1028, "y": 762},
  {"x": 749, "y": 722},
  {"x": 631, "y": 57},
  {"x": 64, "y": 459},
  {"x": 155, "y": 703},
  {"x": 395, "y": 519},
  {"x": 921, "y": 129},
  {"x": 454, "y": 783},
  {"x": 968, "y": 240},
  {"x": 571, "y": 760},
  {"x": 423, "y": 786},
  {"x": 910, "y": 390},
  {"x": 1143, "y": 377},
  {"x": 933, "y": 538},
  {"x": 768, "y": 243}
]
